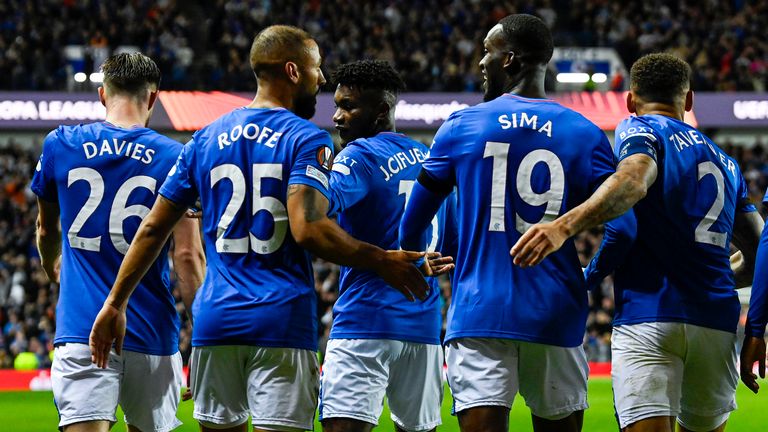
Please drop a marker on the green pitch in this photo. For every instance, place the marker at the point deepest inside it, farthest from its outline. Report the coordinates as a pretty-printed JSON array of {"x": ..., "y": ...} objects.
[{"x": 34, "y": 411}]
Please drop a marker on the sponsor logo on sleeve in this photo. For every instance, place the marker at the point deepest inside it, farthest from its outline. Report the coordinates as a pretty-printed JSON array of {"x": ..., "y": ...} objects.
[{"x": 318, "y": 175}]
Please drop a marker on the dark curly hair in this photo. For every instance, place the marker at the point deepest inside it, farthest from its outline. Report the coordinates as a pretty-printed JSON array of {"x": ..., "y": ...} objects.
[
  {"x": 528, "y": 35},
  {"x": 130, "y": 73},
  {"x": 660, "y": 77},
  {"x": 369, "y": 75}
]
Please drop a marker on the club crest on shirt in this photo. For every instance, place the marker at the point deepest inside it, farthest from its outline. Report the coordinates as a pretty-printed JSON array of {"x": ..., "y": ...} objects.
[{"x": 325, "y": 157}]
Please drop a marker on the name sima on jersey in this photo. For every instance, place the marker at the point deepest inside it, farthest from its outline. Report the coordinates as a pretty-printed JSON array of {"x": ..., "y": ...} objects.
[
  {"x": 401, "y": 160},
  {"x": 119, "y": 148},
  {"x": 524, "y": 121}
]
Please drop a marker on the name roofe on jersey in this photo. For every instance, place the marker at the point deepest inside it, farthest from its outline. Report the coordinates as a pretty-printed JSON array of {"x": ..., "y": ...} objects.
[
  {"x": 251, "y": 131},
  {"x": 118, "y": 147}
]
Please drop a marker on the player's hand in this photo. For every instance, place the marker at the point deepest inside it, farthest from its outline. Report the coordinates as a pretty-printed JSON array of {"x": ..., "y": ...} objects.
[
  {"x": 57, "y": 270},
  {"x": 539, "y": 241},
  {"x": 194, "y": 214},
  {"x": 436, "y": 264},
  {"x": 398, "y": 270},
  {"x": 753, "y": 350},
  {"x": 109, "y": 327}
]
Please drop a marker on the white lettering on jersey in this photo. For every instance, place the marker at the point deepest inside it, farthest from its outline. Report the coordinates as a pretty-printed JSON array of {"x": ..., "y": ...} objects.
[
  {"x": 401, "y": 160},
  {"x": 251, "y": 131},
  {"x": 508, "y": 121},
  {"x": 123, "y": 148}
]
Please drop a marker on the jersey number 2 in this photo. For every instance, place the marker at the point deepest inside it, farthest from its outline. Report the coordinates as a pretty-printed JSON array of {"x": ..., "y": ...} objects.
[{"x": 703, "y": 233}]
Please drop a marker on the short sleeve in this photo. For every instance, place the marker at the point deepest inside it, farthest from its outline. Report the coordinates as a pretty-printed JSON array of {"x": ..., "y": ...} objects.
[
  {"x": 44, "y": 180},
  {"x": 438, "y": 166},
  {"x": 312, "y": 163},
  {"x": 635, "y": 137},
  {"x": 603, "y": 164},
  {"x": 744, "y": 204},
  {"x": 350, "y": 177},
  {"x": 179, "y": 186}
]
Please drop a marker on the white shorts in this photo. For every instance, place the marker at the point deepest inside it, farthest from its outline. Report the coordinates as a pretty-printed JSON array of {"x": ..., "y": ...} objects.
[
  {"x": 358, "y": 373},
  {"x": 147, "y": 387},
  {"x": 676, "y": 370},
  {"x": 277, "y": 387},
  {"x": 489, "y": 372}
]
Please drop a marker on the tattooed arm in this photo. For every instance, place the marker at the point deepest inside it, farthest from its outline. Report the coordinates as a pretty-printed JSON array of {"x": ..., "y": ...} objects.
[
  {"x": 314, "y": 231},
  {"x": 614, "y": 197}
]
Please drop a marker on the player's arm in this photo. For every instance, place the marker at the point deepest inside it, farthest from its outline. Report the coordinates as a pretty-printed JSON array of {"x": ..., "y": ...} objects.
[
  {"x": 314, "y": 231},
  {"x": 152, "y": 234},
  {"x": 746, "y": 237},
  {"x": 618, "y": 239},
  {"x": 427, "y": 196},
  {"x": 48, "y": 236},
  {"x": 188, "y": 260},
  {"x": 753, "y": 348},
  {"x": 622, "y": 190}
]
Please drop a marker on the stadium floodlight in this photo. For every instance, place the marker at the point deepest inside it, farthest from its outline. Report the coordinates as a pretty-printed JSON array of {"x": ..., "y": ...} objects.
[
  {"x": 572, "y": 77},
  {"x": 80, "y": 77},
  {"x": 97, "y": 77},
  {"x": 599, "y": 77}
]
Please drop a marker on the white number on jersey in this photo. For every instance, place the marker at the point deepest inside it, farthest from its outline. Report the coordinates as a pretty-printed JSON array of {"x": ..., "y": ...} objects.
[
  {"x": 553, "y": 197},
  {"x": 405, "y": 188},
  {"x": 260, "y": 203},
  {"x": 702, "y": 233},
  {"x": 118, "y": 212}
]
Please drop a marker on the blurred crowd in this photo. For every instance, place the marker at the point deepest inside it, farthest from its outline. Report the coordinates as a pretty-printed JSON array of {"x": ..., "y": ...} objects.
[
  {"x": 28, "y": 300},
  {"x": 435, "y": 44}
]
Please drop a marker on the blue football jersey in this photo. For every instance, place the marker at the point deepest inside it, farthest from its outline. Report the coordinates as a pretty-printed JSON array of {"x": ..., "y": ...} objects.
[
  {"x": 516, "y": 162},
  {"x": 105, "y": 180},
  {"x": 258, "y": 288},
  {"x": 371, "y": 182},
  {"x": 678, "y": 268}
]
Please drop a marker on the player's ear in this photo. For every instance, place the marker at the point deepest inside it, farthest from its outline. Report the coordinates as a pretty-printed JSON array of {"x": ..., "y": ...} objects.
[
  {"x": 631, "y": 105},
  {"x": 511, "y": 63},
  {"x": 102, "y": 99},
  {"x": 689, "y": 100},
  {"x": 152, "y": 99},
  {"x": 383, "y": 112},
  {"x": 292, "y": 71}
]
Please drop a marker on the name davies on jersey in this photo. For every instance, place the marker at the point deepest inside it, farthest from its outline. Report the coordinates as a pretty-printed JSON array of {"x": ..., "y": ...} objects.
[
  {"x": 508, "y": 121},
  {"x": 116, "y": 147},
  {"x": 401, "y": 160}
]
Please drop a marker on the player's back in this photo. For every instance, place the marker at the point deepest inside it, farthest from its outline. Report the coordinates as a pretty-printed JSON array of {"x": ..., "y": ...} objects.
[
  {"x": 679, "y": 268},
  {"x": 258, "y": 288},
  {"x": 372, "y": 181},
  {"x": 105, "y": 179},
  {"x": 517, "y": 162}
]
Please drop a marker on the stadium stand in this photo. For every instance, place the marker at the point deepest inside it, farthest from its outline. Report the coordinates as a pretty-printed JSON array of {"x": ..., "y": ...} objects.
[
  {"x": 27, "y": 300},
  {"x": 204, "y": 45}
]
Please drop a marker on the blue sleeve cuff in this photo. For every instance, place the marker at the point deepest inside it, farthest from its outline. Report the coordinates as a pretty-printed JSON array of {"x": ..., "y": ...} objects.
[{"x": 421, "y": 208}]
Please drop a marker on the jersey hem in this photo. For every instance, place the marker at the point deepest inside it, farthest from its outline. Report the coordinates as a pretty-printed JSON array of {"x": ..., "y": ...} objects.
[
  {"x": 511, "y": 335},
  {"x": 259, "y": 343},
  {"x": 642, "y": 320},
  {"x": 387, "y": 336},
  {"x": 126, "y": 347}
]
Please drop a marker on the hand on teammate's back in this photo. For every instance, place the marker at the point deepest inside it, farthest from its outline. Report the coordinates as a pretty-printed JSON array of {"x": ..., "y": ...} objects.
[
  {"x": 539, "y": 241},
  {"x": 398, "y": 270},
  {"x": 109, "y": 327},
  {"x": 753, "y": 350},
  {"x": 436, "y": 264}
]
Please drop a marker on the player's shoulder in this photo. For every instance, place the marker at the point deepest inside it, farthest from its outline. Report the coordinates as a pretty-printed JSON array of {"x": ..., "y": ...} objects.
[{"x": 255, "y": 122}]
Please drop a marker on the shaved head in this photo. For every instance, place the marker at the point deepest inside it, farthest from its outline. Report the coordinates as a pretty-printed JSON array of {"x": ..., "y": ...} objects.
[{"x": 276, "y": 45}]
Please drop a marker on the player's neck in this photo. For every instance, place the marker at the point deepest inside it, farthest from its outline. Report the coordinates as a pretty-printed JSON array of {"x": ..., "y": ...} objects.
[
  {"x": 270, "y": 95},
  {"x": 528, "y": 86},
  {"x": 654, "y": 108},
  {"x": 126, "y": 114}
]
